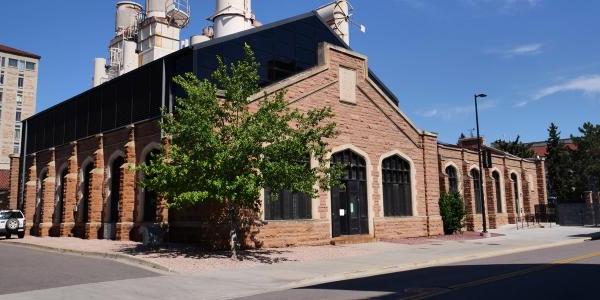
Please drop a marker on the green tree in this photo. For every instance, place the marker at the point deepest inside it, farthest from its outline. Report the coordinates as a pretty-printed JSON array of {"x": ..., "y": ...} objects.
[
  {"x": 222, "y": 151},
  {"x": 559, "y": 164},
  {"x": 587, "y": 157},
  {"x": 452, "y": 210},
  {"x": 515, "y": 147}
]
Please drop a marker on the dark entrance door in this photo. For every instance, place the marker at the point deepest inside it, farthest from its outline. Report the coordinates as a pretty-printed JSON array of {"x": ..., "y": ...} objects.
[
  {"x": 85, "y": 204},
  {"x": 349, "y": 212},
  {"x": 115, "y": 193}
]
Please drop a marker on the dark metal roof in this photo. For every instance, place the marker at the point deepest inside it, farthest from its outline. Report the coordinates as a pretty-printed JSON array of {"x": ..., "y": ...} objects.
[
  {"x": 11, "y": 50},
  {"x": 282, "y": 49}
]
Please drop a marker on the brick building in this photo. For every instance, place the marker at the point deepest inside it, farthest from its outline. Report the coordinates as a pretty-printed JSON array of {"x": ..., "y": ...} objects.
[
  {"x": 512, "y": 185},
  {"x": 18, "y": 88},
  {"x": 73, "y": 177}
]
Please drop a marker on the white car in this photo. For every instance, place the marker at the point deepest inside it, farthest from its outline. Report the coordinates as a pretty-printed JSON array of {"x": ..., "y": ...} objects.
[{"x": 12, "y": 222}]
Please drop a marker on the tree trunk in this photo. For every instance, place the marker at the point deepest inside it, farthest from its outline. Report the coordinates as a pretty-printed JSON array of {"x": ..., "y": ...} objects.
[{"x": 233, "y": 238}]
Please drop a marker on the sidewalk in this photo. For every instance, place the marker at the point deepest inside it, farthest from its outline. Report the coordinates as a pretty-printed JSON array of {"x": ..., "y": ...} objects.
[{"x": 364, "y": 260}]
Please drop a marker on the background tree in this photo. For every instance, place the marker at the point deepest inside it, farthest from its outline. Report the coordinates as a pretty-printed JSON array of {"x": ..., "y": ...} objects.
[
  {"x": 587, "y": 157},
  {"x": 559, "y": 164},
  {"x": 221, "y": 151},
  {"x": 515, "y": 147}
]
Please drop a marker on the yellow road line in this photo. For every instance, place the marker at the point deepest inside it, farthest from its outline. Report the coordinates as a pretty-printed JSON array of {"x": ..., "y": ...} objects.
[{"x": 504, "y": 276}]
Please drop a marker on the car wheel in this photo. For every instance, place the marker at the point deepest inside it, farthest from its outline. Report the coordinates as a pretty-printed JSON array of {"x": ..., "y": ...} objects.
[
  {"x": 21, "y": 235},
  {"x": 12, "y": 225}
]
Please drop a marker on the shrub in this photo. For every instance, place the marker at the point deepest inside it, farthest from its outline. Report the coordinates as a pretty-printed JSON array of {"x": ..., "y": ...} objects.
[{"x": 453, "y": 212}]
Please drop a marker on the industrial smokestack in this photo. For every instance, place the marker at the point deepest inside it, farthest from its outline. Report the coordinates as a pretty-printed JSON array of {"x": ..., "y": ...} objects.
[
  {"x": 99, "y": 71},
  {"x": 156, "y": 8},
  {"x": 232, "y": 16}
]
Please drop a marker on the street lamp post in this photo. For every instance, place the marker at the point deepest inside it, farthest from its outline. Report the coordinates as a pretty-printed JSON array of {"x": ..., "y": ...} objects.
[{"x": 483, "y": 208}]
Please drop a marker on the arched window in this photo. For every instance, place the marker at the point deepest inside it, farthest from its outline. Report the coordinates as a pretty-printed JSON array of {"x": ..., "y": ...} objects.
[
  {"x": 515, "y": 182},
  {"x": 288, "y": 205},
  {"x": 498, "y": 190},
  {"x": 477, "y": 191},
  {"x": 452, "y": 179},
  {"x": 397, "y": 194}
]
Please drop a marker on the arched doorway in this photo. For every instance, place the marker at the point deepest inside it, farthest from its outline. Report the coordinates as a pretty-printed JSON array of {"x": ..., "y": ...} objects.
[
  {"x": 83, "y": 214},
  {"x": 60, "y": 194},
  {"x": 150, "y": 197},
  {"x": 39, "y": 201},
  {"x": 115, "y": 196},
  {"x": 349, "y": 208}
]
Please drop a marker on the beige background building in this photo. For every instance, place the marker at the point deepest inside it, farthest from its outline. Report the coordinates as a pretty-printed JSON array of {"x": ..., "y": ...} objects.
[{"x": 18, "y": 87}]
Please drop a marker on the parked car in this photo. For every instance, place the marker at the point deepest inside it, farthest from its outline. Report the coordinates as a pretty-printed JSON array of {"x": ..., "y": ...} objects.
[{"x": 12, "y": 222}]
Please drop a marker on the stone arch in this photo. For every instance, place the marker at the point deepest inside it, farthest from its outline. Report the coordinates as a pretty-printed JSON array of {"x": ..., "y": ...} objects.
[
  {"x": 413, "y": 179},
  {"x": 368, "y": 187},
  {"x": 476, "y": 167}
]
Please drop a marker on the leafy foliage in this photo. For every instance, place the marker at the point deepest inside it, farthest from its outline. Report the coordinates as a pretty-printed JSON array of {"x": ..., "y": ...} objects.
[
  {"x": 587, "y": 157},
  {"x": 225, "y": 148},
  {"x": 515, "y": 147},
  {"x": 453, "y": 212}
]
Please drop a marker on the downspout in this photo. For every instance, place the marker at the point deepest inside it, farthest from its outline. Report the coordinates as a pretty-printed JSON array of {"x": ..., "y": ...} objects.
[
  {"x": 425, "y": 182},
  {"x": 23, "y": 166}
]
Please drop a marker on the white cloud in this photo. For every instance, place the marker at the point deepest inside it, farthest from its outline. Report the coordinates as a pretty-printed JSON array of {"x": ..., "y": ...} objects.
[
  {"x": 528, "y": 49},
  {"x": 504, "y": 6},
  {"x": 521, "y": 104},
  {"x": 587, "y": 84},
  {"x": 450, "y": 112},
  {"x": 519, "y": 50}
]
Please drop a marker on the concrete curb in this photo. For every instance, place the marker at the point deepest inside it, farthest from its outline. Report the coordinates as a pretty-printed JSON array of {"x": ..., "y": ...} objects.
[
  {"x": 416, "y": 265},
  {"x": 123, "y": 258}
]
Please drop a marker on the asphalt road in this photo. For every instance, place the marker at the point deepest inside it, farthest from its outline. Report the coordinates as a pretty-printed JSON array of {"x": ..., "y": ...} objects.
[
  {"x": 567, "y": 272},
  {"x": 23, "y": 269}
]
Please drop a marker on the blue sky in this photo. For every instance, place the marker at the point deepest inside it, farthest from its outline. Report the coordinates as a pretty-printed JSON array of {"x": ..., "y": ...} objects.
[{"x": 538, "y": 60}]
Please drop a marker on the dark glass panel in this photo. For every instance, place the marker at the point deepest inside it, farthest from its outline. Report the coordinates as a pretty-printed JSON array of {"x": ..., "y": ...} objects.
[
  {"x": 70, "y": 122},
  {"x": 124, "y": 99},
  {"x": 141, "y": 94},
  {"x": 82, "y": 116},
  {"x": 108, "y": 107},
  {"x": 156, "y": 90},
  {"x": 95, "y": 112}
]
